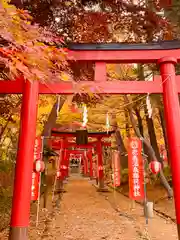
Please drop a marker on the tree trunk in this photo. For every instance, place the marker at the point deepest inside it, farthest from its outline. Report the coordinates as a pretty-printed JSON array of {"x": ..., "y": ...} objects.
[
  {"x": 141, "y": 129},
  {"x": 152, "y": 135},
  {"x": 120, "y": 145},
  {"x": 51, "y": 121},
  {"x": 151, "y": 151},
  {"x": 122, "y": 150},
  {"x": 127, "y": 125},
  {"x": 140, "y": 123}
]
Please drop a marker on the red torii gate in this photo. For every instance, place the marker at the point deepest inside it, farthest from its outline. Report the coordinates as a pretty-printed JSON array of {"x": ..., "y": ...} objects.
[
  {"x": 64, "y": 157},
  {"x": 64, "y": 145},
  {"x": 79, "y": 152},
  {"x": 56, "y": 144},
  {"x": 166, "y": 56}
]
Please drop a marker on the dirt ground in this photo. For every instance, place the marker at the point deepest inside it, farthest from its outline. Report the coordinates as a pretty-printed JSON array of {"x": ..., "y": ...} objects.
[
  {"x": 158, "y": 195},
  {"x": 85, "y": 214}
]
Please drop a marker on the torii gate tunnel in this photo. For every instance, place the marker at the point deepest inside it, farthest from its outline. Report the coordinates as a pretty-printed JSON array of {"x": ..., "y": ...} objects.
[
  {"x": 61, "y": 143},
  {"x": 165, "y": 55}
]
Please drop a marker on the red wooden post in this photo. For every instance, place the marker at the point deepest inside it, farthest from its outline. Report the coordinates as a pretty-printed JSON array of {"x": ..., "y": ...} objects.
[
  {"x": 67, "y": 156},
  {"x": 62, "y": 166},
  {"x": 24, "y": 163},
  {"x": 82, "y": 164},
  {"x": 85, "y": 163},
  {"x": 60, "y": 157},
  {"x": 90, "y": 163},
  {"x": 100, "y": 72},
  {"x": 172, "y": 116},
  {"x": 63, "y": 160},
  {"x": 100, "y": 164}
]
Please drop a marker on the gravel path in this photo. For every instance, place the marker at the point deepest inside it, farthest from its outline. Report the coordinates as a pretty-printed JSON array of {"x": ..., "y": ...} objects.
[{"x": 86, "y": 214}]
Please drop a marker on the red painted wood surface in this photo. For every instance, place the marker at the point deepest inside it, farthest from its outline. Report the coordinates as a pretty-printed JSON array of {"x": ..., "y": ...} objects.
[
  {"x": 56, "y": 144},
  {"x": 116, "y": 168},
  {"x": 35, "y": 186},
  {"x": 123, "y": 56},
  {"x": 136, "y": 170},
  {"x": 89, "y": 154},
  {"x": 62, "y": 163},
  {"x": 38, "y": 148},
  {"x": 100, "y": 72},
  {"x": 100, "y": 160},
  {"x": 25, "y": 155},
  {"x": 172, "y": 119},
  {"x": 85, "y": 163},
  {"x": 108, "y": 87}
]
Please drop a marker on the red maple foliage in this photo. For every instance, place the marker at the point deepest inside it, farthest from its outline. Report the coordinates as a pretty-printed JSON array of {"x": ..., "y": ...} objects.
[
  {"x": 92, "y": 21},
  {"x": 27, "y": 49}
]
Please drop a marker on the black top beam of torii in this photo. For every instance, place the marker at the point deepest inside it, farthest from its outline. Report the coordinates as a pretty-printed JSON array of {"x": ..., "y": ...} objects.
[
  {"x": 94, "y": 134},
  {"x": 159, "y": 45}
]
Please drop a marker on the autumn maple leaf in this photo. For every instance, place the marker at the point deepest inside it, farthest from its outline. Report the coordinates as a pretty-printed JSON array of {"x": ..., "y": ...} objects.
[{"x": 24, "y": 50}]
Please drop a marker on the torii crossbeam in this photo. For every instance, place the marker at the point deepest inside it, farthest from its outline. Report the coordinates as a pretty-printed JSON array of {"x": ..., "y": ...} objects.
[{"x": 103, "y": 87}]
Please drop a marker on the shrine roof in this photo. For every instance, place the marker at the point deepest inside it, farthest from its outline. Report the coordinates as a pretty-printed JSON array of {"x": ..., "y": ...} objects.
[{"x": 161, "y": 45}]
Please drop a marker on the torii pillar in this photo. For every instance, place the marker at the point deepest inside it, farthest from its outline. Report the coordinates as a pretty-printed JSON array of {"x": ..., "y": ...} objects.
[
  {"x": 172, "y": 118},
  {"x": 85, "y": 157},
  {"x": 100, "y": 164},
  {"x": 24, "y": 163},
  {"x": 90, "y": 164},
  {"x": 62, "y": 166}
]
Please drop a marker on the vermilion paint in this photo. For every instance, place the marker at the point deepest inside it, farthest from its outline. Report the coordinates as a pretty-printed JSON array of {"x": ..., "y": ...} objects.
[
  {"x": 56, "y": 144},
  {"x": 172, "y": 117},
  {"x": 125, "y": 56},
  {"x": 35, "y": 186},
  {"x": 38, "y": 148},
  {"x": 25, "y": 156},
  {"x": 116, "y": 168},
  {"x": 112, "y": 87},
  {"x": 136, "y": 170},
  {"x": 89, "y": 154},
  {"x": 100, "y": 160}
]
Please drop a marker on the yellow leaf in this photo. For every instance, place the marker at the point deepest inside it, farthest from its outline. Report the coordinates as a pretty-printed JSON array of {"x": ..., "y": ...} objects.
[
  {"x": 67, "y": 3},
  {"x": 65, "y": 77}
]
